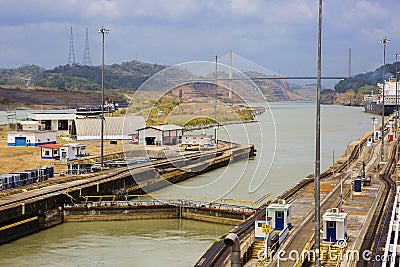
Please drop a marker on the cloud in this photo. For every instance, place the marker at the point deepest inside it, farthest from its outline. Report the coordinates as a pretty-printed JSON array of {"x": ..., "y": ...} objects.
[
  {"x": 361, "y": 10},
  {"x": 276, "y": 34}
]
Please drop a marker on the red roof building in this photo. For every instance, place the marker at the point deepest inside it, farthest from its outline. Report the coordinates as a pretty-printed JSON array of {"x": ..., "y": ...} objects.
[{"x": 50, "y": 151}]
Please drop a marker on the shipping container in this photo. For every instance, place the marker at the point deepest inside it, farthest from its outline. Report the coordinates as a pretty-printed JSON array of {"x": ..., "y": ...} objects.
[
  {"x": 4, "y": 181},
  {"x": 357, "y": 185},
  {"x": 50, "y": 172}
]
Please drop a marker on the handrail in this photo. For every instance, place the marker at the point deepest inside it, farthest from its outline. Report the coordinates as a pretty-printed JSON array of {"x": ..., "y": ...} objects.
[{"x": 174, "y": 199}]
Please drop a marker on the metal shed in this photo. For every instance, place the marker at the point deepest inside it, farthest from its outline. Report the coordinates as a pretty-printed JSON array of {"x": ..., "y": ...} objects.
[
  {"x": 115, "y": 128},
  {"x": 160, "y": 135}
]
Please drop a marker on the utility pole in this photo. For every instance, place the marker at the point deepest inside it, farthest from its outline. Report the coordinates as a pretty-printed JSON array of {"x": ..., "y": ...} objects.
[
  {"x": 318, "y": 146},
  {"x": 384, "y": 41},
  {"x": 230, "y": 78},
  {"x": 215, "y": 100},
  {"x": 397, "y": 103},
  {"x": 102, "y": 31}
]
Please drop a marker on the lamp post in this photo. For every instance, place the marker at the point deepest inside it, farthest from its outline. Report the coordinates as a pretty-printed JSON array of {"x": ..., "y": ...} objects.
[
  {"x": 384, "y": 41},
  {"x": 215, "y": 100},
  {"x": 373, "y": 119},
  {"x": 318, "y": 146},
  {"x": 102, "y": 31},
  {"x": 397, "y": 106}
]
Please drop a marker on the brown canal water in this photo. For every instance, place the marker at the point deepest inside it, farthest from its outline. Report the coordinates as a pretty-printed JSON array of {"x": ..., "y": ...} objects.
[{"x": 276, "y": 167}]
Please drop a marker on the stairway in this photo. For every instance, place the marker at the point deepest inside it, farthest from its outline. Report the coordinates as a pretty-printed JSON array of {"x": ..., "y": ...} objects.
[{"x": 256, "y": 247}]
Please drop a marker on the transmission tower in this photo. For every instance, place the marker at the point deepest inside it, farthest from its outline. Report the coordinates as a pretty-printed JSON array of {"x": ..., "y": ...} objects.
[
  {"x": 71, "y": 58},
  {"x": 87, "y": 60}
]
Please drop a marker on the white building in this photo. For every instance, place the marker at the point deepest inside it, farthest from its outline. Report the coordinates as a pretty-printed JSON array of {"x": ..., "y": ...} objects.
[
  {"x": 335, "y": 226},
  {"x": 280, "y": 214},
  {"x": 260, "y": 228},
  {"x": 160, "y": 135},
  {"x": 205, "y": 140},
  {"x": 50, "y": 151},
  {"x": 54, "y": 121},
  {"x": 31, "y": 138},
  {"x": 30, "y": 125},
  {"x": 72, "y": 151}
]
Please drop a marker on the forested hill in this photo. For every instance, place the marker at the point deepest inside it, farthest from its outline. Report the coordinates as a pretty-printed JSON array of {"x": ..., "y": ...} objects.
[
  {"x": 130, "y": 75},
  {"x": 351, "y": 91},
  {"x": 127, "y": 75},
  {"x": 360, "y": 82}
]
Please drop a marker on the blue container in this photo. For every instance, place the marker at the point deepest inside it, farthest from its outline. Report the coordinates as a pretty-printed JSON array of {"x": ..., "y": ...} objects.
[
  {"x": 4, "y": 182},
  {"x": 23, "y": 177},
  {"x": 357, "y": 185},
  {"x": 32, "y": 176},
  {"x": 42, "y": 174},
  {"x": 50, "y": 172}
]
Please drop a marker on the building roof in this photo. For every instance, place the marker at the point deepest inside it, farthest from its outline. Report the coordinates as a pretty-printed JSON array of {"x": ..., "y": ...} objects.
[
  {"x": 198, "y": 135},
  {"x": 53, "y": 146},
  {"x": 75, "y": 145},
  {"x": 278, "y": 206},
  {"x": 29, "y": 121},
  {"x": 334, "y": 216},
  {"x": 167, "y": 127},
  {"x": 30, "y": 132},
  {"x": 114, "y": 127},
  {"x": 53, "y": 115}
]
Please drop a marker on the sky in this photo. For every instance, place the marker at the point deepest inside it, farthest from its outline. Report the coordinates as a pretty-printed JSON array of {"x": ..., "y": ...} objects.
[{"x": 280, "y": 35}]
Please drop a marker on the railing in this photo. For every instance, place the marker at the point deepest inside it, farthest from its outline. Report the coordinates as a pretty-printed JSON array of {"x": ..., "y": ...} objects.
[
  {"x": 181, "y": 200},
  {"x": 391, "y": 246}
]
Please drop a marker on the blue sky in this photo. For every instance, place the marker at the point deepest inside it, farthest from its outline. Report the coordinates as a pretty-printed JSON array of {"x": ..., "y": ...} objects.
[{"x": 280, "y": 35}]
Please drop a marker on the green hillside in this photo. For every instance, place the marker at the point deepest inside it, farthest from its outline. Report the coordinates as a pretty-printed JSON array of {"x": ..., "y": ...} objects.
[
  {"x": 363, "y": 83},
  {"x": 127, "y": 76}
]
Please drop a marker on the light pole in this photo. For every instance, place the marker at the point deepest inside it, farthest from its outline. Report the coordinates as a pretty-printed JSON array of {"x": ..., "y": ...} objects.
[
  {"x": 318, "y": 146},
  {"x": 397, "y": 107},
  {"x": 102, "y": 31},
  {"x": 384, "y": 41},
  {"x": 373, "y": 119},
  {"x": 215, "y": 100}
]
